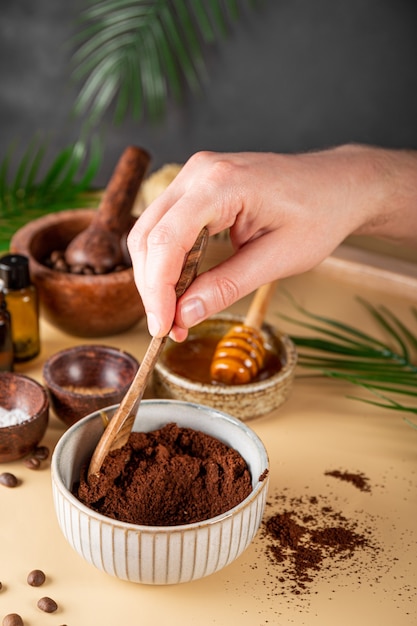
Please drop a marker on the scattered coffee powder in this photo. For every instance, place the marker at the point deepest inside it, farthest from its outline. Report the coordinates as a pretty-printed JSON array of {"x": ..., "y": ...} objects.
[
  {"x": 304, "y": 543},
  {"x": 307, "y": 536},
  {"x": 167, "y": 477},
  {"x": 358, "y": 479}
]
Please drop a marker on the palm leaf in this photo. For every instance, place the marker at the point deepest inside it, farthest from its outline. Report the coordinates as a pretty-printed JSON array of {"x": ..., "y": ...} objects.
[
  {"x": 383, "y": 321},
  {"x": 342, "y": 352},
  {"x": 27, "y": 193},
  {"x": 389, "y": 403},
  {"x": 134, "y": 54}
]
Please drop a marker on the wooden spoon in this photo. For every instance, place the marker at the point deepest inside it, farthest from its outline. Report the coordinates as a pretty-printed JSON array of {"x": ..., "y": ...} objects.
[
  {"x": 240, "y": 354},
  {"x": 119, "y": 428},
  {"x": 99, "y": 246}
]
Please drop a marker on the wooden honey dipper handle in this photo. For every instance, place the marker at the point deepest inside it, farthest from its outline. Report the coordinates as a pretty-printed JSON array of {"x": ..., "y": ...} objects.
[
  {"x": 259, "y": 305},
  {"x": 240, "y": 354}
]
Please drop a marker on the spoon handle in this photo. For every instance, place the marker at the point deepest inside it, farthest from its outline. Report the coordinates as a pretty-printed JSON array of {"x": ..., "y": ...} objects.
[{"x": 119, "y": 428}]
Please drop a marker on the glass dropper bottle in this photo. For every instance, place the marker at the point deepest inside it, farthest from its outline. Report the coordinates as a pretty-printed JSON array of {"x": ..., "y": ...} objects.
[{"x": 22, "y": 303}]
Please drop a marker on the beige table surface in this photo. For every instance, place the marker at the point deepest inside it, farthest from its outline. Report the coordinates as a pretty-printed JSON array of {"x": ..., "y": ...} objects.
[{"x": 318, "y": 430}]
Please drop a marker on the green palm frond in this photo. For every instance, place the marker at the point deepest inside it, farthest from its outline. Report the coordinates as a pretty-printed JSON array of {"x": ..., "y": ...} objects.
[
  {"x": 29, "y": 190},
  {"x": 133, "y": 54},
  {"x": 385, "y": 368}
]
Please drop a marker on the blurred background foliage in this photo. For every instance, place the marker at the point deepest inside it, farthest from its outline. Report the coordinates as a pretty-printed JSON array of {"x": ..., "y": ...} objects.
[{"x": 130, "y": 57}]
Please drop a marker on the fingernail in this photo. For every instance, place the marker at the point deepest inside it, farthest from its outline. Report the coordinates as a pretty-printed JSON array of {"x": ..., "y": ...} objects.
[
  {"x": 153, "y": 324},
  {"x": 192, "y": 312}
]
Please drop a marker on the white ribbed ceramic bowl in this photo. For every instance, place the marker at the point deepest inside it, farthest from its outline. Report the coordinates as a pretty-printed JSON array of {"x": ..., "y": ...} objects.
[{"x": 159, "y": 555}]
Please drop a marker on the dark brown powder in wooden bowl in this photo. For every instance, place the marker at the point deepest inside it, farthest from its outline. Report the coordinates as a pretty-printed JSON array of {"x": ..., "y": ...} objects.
[{"x": 168, "y": 477}]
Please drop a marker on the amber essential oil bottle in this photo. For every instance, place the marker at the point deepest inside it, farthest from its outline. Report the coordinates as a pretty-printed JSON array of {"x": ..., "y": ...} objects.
[{"x": 22, "y": 303}]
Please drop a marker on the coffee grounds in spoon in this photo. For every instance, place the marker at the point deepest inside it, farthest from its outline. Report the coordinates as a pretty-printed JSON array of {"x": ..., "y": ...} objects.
[{"x": 167, "y": 477}]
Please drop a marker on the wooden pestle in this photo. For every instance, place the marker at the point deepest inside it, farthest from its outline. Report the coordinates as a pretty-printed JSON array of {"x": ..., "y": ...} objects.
[
  {"x": 99, "y": 246},
  {"x": 240, "y": 354}
]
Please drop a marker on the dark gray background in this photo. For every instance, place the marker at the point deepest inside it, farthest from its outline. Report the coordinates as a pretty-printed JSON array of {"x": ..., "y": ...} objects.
[{"x": 295, "y": 75}]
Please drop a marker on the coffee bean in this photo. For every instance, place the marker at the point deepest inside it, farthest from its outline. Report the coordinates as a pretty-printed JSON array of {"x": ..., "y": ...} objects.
[
  {"x": 32, "y": 463},
  {"x": 36, "y": 578},
  {"x": 47, "y": 604},
  {"x": 13, "y": 619},
  {"x": 41, "y": 453},
  {"x": 56, "y": 255},
  {"x": 60, "y": 266},
  {"x": 8, "y": 480},
  {"x": 56, "y": 261}
]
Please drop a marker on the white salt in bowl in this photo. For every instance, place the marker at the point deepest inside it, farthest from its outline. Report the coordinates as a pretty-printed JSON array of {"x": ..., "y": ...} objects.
[{"x": 159, "y": 555}]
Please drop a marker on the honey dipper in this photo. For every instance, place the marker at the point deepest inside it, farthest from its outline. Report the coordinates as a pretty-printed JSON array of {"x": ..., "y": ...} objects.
[{"x": 240, "y": 354}]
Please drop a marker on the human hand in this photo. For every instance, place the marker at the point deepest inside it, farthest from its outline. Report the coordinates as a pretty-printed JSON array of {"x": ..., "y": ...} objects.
[{"x": 285, "y": 213}]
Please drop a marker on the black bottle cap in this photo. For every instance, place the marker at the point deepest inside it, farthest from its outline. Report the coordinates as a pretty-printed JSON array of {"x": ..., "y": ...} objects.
[{"x": 14, "y": 271}]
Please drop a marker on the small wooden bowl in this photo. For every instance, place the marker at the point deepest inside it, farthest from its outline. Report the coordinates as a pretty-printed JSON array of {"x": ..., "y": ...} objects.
[
  {"x": 84, "y": 379},
  {"x": 21, "y": 392},
  {"x": 84, "y": 306}
]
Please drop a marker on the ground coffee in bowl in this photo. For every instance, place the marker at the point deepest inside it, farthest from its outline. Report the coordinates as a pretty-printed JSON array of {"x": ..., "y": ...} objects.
[{"x": 168, "y": 477}]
